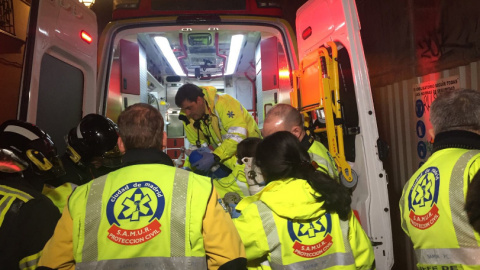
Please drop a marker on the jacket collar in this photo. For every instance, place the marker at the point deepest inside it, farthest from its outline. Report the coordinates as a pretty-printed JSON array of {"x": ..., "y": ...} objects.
[
  {"x": 456, "y": 139},
  {"x": 307, "y": 142},
  {"x": 145, "y": 156}
]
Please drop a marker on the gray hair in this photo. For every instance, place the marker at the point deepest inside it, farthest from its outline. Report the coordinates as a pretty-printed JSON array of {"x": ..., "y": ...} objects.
[{"x": 456, "y": 110}]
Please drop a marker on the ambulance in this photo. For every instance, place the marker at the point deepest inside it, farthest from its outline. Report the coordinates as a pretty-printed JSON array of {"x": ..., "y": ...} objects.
[{"x": 244, "y": 49}]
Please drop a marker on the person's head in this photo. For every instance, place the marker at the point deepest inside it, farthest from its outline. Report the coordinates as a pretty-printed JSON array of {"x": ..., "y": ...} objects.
[
  {"x": 246, "y": 148},
  {"x": 281, "y": 156},
  {"x": 190, "y": 99},
  {"x": 141, "y": 127},
  {"x": 93, "y": 140},
  {"x": 472, "y": 203},
  {"x": 26, "y": 149},
  {"x": 283, "y": 117},
  {"x": 456, "y": 110}
]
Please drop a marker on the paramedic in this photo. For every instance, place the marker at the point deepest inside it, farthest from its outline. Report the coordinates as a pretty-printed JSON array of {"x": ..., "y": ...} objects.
[
  {"x": 214, "y": 120},
  {"x": 284, "y": 117},
  {"x": 301, "y": 219},
  {"x": 432, "y": 203},
  {"x": 28, "y": 158},
  {"x": 151, "y": 214},
  {"x": 91, "y": 152}
]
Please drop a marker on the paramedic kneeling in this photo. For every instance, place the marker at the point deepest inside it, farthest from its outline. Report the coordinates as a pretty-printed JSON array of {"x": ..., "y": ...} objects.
[{"x": 145, "y": 215}]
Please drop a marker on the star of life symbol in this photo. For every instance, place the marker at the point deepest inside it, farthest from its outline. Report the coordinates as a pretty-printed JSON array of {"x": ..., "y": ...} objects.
[
  {"x": 311, "y": 239},
  {"x": 422, "y": 199},
  {"x": 311, "y": 229},
  {"x": 136, "y": 206},
  {"x": 134, "y": 211},
  {"x": 230, "y": 114}
]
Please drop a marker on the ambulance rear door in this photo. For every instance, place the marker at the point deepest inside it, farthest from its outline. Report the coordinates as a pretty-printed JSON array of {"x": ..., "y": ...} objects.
[
  {"x": 318, "y": 24},
  {"x": 59, "y": 75}
]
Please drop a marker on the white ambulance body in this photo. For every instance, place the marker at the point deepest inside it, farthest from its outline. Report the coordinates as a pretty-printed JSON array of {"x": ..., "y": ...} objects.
[{"x": 147, "y": 52}]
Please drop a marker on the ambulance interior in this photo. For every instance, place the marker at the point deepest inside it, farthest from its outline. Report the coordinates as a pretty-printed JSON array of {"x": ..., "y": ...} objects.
[{"x": 252, "y": 63}]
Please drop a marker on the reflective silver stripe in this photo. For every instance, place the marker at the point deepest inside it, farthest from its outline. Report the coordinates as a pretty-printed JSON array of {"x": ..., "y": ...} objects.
[
  {"x": 463, "y": 230},
  {"x": 93, "y": 214},
  {"x": 271, "y": 232},
  {"x": 5, "y": 204},
  {"x": 243, "y": 187},
  {"x": 238, "y": 130},
  {"x": 323, "y": 162},
  {"x": 464, "y": 256},
  {"x": 30, "y": 262},
  {"x": 318, "y": 263},
  {"x": 234, "y": 137},
  {"x": 344, "y": 227},
  {"x": 178, "y": 213},
  {"x": 149, "y": 263},
  {"x": 19, "y": 194}
]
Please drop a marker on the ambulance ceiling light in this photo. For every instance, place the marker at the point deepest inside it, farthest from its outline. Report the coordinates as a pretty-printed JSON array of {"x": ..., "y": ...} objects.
[
  {"x": 235, "y": 47},
  {"x": 88, "y": 3},
  {"x": 164, "y": 46}
]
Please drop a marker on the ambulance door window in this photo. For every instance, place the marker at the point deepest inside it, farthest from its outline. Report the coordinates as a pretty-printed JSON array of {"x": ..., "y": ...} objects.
[
  {"x": 60, "y": 99},
  {"x": 348, "y": 103}
]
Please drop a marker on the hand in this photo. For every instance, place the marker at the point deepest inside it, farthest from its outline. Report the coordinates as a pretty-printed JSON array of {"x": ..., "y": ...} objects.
[{"x": 206, "y": 162}]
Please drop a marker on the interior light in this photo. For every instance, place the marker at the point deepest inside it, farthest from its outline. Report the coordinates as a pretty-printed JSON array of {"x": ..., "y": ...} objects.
[
  {"x": 87, "y": 3},
  {"x": 235, "y": 46},
  {"x": 86, "y": 37},
  {"x": 284, "y": 73},
  {"x": 164, "y": 45}
]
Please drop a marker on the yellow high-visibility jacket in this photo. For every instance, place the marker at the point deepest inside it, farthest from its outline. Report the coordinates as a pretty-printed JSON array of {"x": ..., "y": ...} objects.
[
  {"x": 433, "y": 215},
  {"x": 285, "y": 224},
  {"x": 228, "y": 124}
]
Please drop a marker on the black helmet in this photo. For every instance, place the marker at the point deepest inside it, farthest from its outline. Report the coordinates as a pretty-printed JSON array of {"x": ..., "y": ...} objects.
[
  {"x": 94, "y": 136},
  {"x": 25, "y": 147}
]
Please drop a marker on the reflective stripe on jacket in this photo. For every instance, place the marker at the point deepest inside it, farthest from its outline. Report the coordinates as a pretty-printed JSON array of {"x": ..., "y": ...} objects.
[
  {"x": 228, "y": 124},
  {"x": 319, "y": 153},
  {"x": 140, "y": 217},
  {"x": 432, "y": 211},
  {"x": 285, "y": 223}
]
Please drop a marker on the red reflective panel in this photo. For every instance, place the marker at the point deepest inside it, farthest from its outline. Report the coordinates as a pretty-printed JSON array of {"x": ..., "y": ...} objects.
[
  {"x": 86, "y": 37},
  {"x": 306, "y": 33}
]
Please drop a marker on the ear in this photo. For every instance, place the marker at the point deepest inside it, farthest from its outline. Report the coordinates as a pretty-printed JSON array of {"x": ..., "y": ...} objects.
[
  {"x": 121, "y": 146},
  {"x": 164, "y": 141},
  {"x": 297, "y": 131}
]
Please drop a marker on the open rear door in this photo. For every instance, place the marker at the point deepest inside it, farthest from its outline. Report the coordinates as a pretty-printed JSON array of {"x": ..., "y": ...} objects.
[
  {"x": 58, "y": 80},
  {"x": 332, "y": 88}
]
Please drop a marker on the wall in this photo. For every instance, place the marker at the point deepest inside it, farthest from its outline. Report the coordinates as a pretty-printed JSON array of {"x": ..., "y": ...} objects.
[{"x": 11, "y": 62}]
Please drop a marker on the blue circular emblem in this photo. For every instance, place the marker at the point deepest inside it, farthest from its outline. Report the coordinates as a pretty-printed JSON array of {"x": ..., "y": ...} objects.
[
  {"x": 423, "y": 198},
  {"x": 311, "y": 239}
]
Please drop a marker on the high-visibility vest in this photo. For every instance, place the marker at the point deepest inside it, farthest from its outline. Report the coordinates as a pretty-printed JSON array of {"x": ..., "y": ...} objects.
[
  {"x": 433, "y": 215},
  {"x": 234, "y": 182},
  {"x": 145, "y": 216},
  {"x": 319, "y": 153},
  {"x": 300, "y": 245},
  {"x": 59, "y": 195}
]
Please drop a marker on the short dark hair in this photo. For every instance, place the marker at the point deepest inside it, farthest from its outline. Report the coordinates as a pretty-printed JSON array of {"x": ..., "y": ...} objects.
[
  {"x": 141, "y": 126},
  {"x": 247, "y": 147},
  {"x": 188, "y": 92}
]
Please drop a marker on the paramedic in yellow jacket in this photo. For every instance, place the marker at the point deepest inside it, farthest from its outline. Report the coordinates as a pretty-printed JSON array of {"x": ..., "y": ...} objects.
[
  {"x": 145, "y": 215},
  {"x": 284, "y": 117},
  {"x": 302, "y": 219},
  {"x": 214, "y": 120},
  {"x": 432, "y": 203}
]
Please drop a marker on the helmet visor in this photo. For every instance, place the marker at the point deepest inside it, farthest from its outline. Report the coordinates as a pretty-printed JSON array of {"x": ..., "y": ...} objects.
[{"x": 11, "y": 163}]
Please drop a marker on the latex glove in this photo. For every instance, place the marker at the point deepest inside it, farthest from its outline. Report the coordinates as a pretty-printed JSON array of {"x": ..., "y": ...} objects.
[
  {"x": 206, "y": 162},
  {"x": 234, "y": 213}
]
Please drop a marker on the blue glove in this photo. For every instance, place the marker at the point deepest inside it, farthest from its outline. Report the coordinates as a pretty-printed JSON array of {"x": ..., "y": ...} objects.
[
  {"x": 206, "y": 162},
  {"x": 234, "y": 213},
  {"x": 203, "y": 150}
]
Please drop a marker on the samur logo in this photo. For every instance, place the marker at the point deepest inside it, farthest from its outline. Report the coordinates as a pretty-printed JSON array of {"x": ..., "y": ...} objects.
[
  {"x": 311, "y": 239},
  {"x": 422, "y": 199},
  {"x": 134, "y": 211}
]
